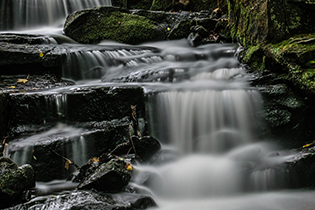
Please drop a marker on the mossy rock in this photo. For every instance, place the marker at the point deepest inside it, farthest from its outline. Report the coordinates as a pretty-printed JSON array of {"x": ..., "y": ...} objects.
[
  {"x": 295, "y": 56},
  {"x": 260, "y": 21},
  {"x": 13, "y": 181},
  {"x": 181, "y": 30},
  {"x": 163, "y": 5},
  {"x": 109, "y": 23}
]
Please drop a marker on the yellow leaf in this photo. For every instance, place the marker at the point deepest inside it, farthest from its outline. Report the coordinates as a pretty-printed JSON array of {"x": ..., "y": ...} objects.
[
  {"x": 168, "y": 28},
  {"x": 11, "y": 87},
  {"x": 68, "y": 162},
  {"x": 129, "y": 167},
  {"x": 96, "y": 159},
  {"x": 41, "y": 54},
  {"x": 22, "y": 81},
  {"x": 307, "y": 145}
]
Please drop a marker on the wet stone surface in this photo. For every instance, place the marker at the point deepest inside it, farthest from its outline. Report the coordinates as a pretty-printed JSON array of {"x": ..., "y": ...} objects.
[{"x": 12, "y": 83}]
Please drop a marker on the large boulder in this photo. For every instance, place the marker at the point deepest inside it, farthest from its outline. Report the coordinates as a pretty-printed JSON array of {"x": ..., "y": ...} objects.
[
  {"x": 111, "y": 177},
  {"x": 96, "y": 24},
  {"x": 14, "y": 182}
]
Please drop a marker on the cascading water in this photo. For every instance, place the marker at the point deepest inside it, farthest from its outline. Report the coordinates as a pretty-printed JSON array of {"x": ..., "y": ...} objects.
[
  {"x": 26, "y": 14},
  {"x": 199, "y": 105}
]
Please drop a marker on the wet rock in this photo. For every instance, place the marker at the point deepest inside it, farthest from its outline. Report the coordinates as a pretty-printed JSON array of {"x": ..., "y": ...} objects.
[
  {"x": 108, "y": 177},
  {"x": 258, "y": 21},
  {"x": 14, "y": 181},
  {"x": 47, "y": 150},
  {"x": 29, "y": 54},
  {"x": 182, "y": 29},
  {"x": 4, "y": 120},
  {"x": 165, "y": 25},
  {"x": 194, "y": 39},
  {"x": 90, "y": 201},
  {"x": 100, "y": 22},
  {"x": 300, "y": 168},
  {"x": 145, "y": 147},
  {"x": 78, "y": 105},
  {"x": 284, "y": 75}
]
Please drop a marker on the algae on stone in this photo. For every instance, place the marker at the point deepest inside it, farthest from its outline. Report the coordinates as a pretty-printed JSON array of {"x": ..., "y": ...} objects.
[{"x": 108, "y": 23}]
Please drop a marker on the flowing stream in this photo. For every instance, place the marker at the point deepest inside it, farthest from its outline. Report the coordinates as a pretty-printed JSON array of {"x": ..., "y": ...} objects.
[{"x": 199, "y": 105}]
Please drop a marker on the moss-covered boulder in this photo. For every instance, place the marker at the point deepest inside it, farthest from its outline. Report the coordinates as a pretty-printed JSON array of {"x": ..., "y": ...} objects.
[
  {"x": 110, "y": 23},
  {"x": 258, "y": 21},
  {"x": 14, "y": 181},
  {"x": 293, "y": 59}
]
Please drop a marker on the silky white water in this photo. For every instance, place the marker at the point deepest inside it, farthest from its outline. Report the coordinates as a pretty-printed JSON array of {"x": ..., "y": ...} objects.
[{"x": 199, "y": 105}]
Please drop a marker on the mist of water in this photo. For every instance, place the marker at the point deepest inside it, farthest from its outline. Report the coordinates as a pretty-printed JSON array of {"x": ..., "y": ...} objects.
[{"x": 199, "y": 104}]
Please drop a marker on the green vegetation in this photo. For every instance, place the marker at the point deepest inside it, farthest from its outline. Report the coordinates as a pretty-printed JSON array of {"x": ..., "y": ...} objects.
[{"x": 92, "y": 26}]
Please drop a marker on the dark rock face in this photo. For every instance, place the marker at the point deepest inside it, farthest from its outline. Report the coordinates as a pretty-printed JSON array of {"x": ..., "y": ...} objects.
[
  {"x": 145, "y": 147},
  {"x": 81, "y": 105},
  {"x": 29, "y": 53},
  {"x": 4, "y": 105},
  {"x": 14, "y": 181},
  {"x": 301, "y": 165},
  {"x": 254, "y": 22},
  {"x": 90, "y": 201},
  {"x": 108, "y": 177},
  {"x": 44, "y": 154}
]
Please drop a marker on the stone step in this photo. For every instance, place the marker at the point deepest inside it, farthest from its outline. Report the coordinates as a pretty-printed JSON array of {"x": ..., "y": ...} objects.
[{"x": 33, "y": 111}]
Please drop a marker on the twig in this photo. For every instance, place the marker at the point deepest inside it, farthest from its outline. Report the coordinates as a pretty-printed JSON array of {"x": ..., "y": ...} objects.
[
  {"x": 5, "y": 146},
  {"x": 67, "y": 160},
  {"x": 133, "y": 146}
]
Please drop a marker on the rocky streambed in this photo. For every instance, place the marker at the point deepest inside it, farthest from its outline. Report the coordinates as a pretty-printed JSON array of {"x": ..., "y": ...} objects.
[{"x": 51, "y": 122}]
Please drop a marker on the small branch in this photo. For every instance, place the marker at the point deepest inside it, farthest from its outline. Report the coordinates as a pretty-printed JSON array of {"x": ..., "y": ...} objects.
[
  {"x": 5, "y": 146},
  {"x": 67, "y": 160},
  {"x": 133, "y": 146}
]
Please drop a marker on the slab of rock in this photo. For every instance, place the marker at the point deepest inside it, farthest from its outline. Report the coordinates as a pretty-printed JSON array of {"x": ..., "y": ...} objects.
[
  {"x": 111, "y": 176},
  {"x": 88, "y": 200}
]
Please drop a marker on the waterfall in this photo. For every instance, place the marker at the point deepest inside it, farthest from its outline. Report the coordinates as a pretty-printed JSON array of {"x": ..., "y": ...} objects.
[
  {"x": 209, "y": 120},
  {"x": 25, "y": 14}
]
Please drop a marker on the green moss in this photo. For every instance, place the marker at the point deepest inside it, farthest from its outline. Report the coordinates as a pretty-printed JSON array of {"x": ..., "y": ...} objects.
[
  {"x": 163, "y": 5},
  {"x": 181, "y": 30},
  {"x": 110, "y": 24},
  {"x": 296, "y": 55}
]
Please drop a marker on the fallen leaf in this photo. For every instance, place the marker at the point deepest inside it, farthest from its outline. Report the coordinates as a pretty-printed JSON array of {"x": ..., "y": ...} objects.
[
  {"x": 129, "y": 167},
  {"x": 22, "y": 81},
  {"x": 41, "y": 54},
  {"x": 96, "y": 159},
  {"x": 68, "y": 162},
  {"x": 11, "y": 87}
]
